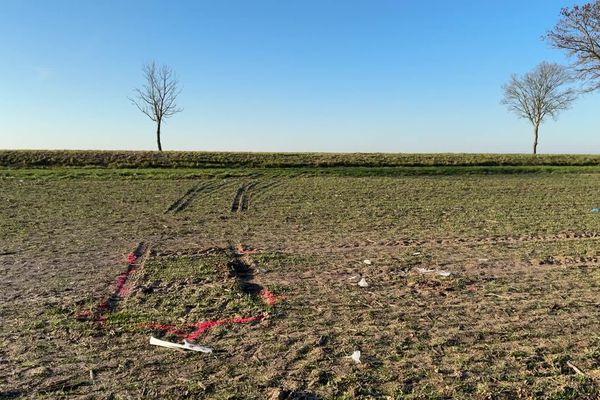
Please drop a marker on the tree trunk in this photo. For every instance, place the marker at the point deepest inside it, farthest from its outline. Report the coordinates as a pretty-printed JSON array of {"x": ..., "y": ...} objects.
[
  {"x": 158, "y": 136},
  {"x": 535, "y": 138}
]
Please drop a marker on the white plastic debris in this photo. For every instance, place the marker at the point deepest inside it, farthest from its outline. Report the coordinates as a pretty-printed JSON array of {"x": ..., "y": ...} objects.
[
  {"x": 368, "y": 262},
  {"x": 429, "y": 271},
  {"x": 185, "y": 346},
  {"x": 363, "y": 283},
  {"x": 356, "y": 356},
  {"x": 417, "y": 253},
  {"x": 425, "y": 270}
]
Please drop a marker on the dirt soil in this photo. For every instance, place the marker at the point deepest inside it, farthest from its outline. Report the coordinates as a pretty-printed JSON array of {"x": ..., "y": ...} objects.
[{"x": 479, "y": 287}]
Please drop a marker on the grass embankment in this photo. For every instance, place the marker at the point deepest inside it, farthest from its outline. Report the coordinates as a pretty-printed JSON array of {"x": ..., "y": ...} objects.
[
  {"x": 147, "y": 164},
  {"x": 196, "y": 173},
  {"x": 181, "y": 159}
]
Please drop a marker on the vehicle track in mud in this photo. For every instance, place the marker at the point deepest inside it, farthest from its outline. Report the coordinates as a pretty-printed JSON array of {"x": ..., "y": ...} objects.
[
  {"x": 240, "y": 268},
  {"x": 254, "y": 190},
  {"x": 263, "y": 188},
  {"x": 197, "y": 191},
  {"x": 241, "y": 200}
]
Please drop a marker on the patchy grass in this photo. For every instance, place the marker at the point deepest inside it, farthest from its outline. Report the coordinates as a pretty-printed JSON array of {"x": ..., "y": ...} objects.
[
  {"x": 172, "y": 268},
  {"x": 514, "y": 319}
]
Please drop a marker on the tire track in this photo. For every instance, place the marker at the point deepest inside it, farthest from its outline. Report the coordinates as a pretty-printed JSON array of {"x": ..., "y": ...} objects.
[
  {"x": 240, "y": 269},
  {"x": 264, "y": 188},
  {"x": 241, "y": 200},
  {"x": 135, "y": 262},
  {"x": 197, "y": 191}
]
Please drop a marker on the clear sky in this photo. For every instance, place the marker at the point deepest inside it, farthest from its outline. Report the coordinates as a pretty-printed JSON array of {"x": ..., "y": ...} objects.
[{"x": 282, "y": 75}]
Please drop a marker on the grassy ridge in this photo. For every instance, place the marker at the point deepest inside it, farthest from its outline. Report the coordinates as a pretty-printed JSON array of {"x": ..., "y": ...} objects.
[
  {"x": 181, "y": 159},
  {"x": 222, "y": 173}
]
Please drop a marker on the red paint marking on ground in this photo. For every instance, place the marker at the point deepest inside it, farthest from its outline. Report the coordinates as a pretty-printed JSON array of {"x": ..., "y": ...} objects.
[
  {"x": 121, "y": 281},
  {"x": 203, "y": 326},
  {"x": 248, "y": 251},
  {"x": 84, "y": 314},
  {"x": 270, "y": 298},
  {"x": 200, "y": 327},
  {"x": 167, "y": 328},
  {"x": 120, "y": 288},
  {"x": 131, "y": 258},
  {"x": 120, "y": 291}
]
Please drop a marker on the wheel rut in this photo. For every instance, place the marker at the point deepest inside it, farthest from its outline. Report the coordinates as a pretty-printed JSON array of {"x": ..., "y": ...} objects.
[
  {"x": 241, "y": 200},
  {"x": 197, "y": 191},
  {"x": 240, "y": 267}
]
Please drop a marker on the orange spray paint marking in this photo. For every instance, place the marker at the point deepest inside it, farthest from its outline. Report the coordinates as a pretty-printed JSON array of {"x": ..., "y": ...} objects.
[
  {"x": 248, "y": 251},
  {"x": 270, "y": 298}
]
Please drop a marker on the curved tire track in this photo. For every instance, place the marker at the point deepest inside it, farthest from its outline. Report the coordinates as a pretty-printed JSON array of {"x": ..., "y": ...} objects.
[{"x": 197, "y": 191}]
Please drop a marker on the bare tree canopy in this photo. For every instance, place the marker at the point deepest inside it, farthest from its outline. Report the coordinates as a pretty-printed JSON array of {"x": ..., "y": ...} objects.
[
  {"x": 157, "y": 98},
  {"x": 539, "y": 94},
  {"x": 578, "y": 33}
]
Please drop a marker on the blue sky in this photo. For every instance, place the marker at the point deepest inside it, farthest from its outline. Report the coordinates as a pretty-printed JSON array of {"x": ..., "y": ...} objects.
[{"x": 277, "y": 75}]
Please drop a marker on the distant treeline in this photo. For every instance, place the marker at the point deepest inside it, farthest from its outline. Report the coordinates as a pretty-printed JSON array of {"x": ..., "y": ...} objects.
[{"x": 183, "y": 159}]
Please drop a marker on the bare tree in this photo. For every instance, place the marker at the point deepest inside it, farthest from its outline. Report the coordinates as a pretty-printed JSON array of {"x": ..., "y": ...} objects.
[
  {"x": 157, "y": 98},
  {"x": 578, "y": 33},
  {"x": 538, "y": 94}
]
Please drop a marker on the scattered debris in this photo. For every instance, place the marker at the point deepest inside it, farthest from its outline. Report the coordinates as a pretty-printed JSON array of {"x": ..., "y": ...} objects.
[
  {"x": 498, "y": 296},
  {"x": 185, "y": 346},
  {"x": 368, "y": 262},
  {"x": 353, "y": 277},
  {"x": 574, "y": 368},
  {"x": 363, "y": 283},
  {"x": 425, "y": 270},
  {"x": 596, "y": 210},
  {"x": 429, "y": 271},
  {"x": 483, "y": 260},
  {"x": 356, "y": 356},
  {"x": 416, "y": 253}
]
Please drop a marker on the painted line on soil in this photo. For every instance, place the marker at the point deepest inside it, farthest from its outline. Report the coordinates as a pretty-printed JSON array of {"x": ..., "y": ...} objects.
[
  {"x": 240, "y": 269},
  {"x": 135, "y": 261},
  {"x": 200, "y": 327}
]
